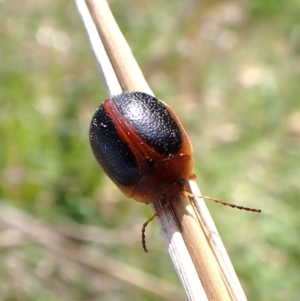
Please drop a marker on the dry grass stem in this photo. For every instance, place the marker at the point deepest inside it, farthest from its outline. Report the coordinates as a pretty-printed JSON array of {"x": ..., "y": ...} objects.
[{"x": 204, "y": 267}]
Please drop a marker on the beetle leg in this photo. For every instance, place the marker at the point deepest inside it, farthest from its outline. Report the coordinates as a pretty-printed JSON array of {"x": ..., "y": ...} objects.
[{"x": 145, "y": 224}]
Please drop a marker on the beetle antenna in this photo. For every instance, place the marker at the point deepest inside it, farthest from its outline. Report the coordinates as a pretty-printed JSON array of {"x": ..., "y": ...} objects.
[
  {"x": 145, "y": 224},
  {"x": 230, "y": 204},
  {"x": 209, "y": 198}
]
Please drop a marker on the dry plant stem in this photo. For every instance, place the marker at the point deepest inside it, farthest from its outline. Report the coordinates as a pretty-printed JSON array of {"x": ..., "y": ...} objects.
[
  {"x": 219, "y": 283},
  {"x": 177, "y": 249},
  {"x": 206, "y": 265},
  {"x": 108, "y": 74},
  {"x": 130, "y": 76},
  {"x": 212, "y": 234}
]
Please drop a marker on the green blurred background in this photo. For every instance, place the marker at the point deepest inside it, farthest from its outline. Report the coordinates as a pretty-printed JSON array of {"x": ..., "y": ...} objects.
[{"x": 230, "y": 69}]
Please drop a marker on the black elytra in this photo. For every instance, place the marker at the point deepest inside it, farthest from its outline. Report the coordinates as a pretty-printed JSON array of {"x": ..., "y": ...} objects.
[
  {"x": 114, "y": 155},
  {"x": 149, "y": 118}
]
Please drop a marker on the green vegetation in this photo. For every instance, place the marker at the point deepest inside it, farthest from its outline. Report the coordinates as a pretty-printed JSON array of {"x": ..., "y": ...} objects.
[{"x": 229, "y": 69}]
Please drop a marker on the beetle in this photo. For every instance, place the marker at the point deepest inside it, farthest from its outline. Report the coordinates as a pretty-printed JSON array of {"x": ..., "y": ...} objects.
[
  {"x": 141, "y": 145},
  {"x": 143, "y": 148}
]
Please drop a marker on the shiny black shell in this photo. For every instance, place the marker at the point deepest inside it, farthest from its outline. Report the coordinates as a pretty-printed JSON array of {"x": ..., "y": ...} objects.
[
  {"x": 133, "y": 132},
  {"x": 151, "y": 120},
  {"x": 114, "y": 155}
]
